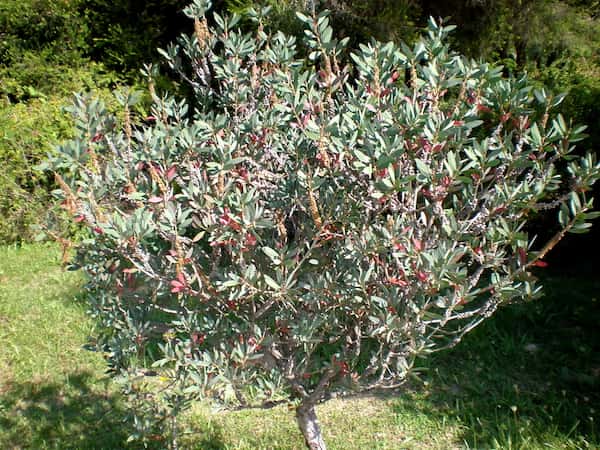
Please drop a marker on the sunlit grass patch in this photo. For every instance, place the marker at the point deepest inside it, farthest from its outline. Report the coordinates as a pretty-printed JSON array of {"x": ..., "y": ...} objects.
[{"x": 53, "y": 394}]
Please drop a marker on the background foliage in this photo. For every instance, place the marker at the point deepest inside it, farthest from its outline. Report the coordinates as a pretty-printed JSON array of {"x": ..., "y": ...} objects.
[{"x": 125, "y": 34}]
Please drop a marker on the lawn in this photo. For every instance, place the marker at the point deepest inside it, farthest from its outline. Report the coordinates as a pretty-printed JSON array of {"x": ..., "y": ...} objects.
[{"x": 528, "y": 379}]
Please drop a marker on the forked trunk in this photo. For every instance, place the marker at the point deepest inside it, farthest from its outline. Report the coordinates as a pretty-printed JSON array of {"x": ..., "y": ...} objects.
[{"x": 309, "y": 425}]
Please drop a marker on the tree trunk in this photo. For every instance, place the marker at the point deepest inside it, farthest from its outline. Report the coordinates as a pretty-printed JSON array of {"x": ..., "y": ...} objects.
[{"x": 309, "y": 425}]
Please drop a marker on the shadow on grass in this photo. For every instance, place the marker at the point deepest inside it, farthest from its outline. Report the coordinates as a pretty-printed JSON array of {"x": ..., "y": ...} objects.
[
  {"x": 528, "y": 378},
  {"x": 77, "y": 414}
]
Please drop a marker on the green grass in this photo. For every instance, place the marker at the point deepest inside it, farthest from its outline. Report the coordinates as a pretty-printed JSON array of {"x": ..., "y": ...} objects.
[
  {"x": 529, "y": 378},
  {"x": 526, "y": 379},
  {"x": 53, "y": 394}
]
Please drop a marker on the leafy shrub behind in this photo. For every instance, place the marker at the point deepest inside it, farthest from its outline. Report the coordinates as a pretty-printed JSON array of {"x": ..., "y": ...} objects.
[
  {"x": 41, "y": 25},
  {"x": 28, "y": 131}
]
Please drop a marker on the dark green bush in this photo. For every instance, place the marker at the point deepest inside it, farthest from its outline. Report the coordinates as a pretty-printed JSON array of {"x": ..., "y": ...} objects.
[
  {"x": 126, "y": 33},
  {"x": 299, "y": 231},
  {"x": 41, "y": 25}
]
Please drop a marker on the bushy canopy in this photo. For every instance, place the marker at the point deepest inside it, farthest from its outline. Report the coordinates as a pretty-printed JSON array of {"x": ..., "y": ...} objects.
[{"x": 302, "y": 226}]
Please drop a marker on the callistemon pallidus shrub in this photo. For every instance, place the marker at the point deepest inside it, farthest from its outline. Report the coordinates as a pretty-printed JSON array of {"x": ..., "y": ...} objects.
[{"x": 302, "y": 226}]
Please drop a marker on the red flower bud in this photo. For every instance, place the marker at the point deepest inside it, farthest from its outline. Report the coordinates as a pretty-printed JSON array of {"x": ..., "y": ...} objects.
[
  {"x": 250, "y": 240},
  {"x": 243, "y": 173},
  {"x": 381, "y": 173},
  {"x": 179, "y": 284},
  {"x": 399, "y": 247},
  {"x": 417, "y": 244},
  {"x": 397, "y": 281},
  {"x": 198, "y": 338},
  {"x": 421, "y": 276},
  {"x": 483, "y": 108},
  {"x": 342, "y": 366},
  {"x": 522, "y": 255},
  {"x": 437, "y": 147},
  {"x": 171, "y": 172}
]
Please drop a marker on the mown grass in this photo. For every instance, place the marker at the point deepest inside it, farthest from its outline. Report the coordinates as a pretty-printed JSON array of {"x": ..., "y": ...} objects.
[
  {"x": 53, "y": 394},
  {"x": 527, "y": 379}
]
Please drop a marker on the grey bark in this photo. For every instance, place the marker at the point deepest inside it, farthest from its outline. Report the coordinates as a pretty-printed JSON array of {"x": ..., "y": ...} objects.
[{"x": 309, "y": 425}]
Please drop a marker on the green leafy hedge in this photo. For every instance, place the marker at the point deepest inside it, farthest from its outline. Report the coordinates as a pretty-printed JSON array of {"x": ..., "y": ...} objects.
[{"x": 27, "y": 133}]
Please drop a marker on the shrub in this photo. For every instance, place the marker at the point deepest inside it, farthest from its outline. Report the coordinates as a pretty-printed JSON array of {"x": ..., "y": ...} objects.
[
  {"x": 28, "y": 132},
  {"x": 310, "y": 226},
  {"x": 39, "y": 24},
  {"x": 125, "y": 33},
  {"x": 41, "y": 64}
]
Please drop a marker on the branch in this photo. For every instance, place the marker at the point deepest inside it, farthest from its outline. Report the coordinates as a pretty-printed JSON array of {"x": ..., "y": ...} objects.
[{"x": 552, "y": 243}]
